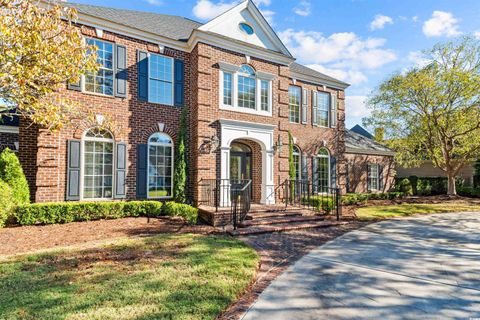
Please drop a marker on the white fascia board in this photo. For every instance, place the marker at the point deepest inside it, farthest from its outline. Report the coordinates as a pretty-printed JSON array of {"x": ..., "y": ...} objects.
[
  {"x": 319, "y": 81},
  {"x": 246, "y": 124},
  {"x": 9, "y": 129},
  {"x": 237, "y": 46},
  {"x": 370, "y": 152}
]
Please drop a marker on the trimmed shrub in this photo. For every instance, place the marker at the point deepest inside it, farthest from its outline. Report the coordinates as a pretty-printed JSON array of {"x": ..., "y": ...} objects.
[
  {"x": 65, "y": 212},
  {"x": 405, "y": 187},
  {"x": 361, "y": 198},
  {"x": 470, "y": 192},
  {"x": 11, "y": 172},
  {"x": 6, "y": 204},
  {"x": 173, "y": 209}
]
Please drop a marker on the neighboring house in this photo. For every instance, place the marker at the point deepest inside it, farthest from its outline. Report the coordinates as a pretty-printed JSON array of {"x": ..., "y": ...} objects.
[
  {"x": 428, "y": 170},
  {"x": 9, "y": 133},
  {"x": 241, "y": 87},
  {"x": 370, "y": 165}
]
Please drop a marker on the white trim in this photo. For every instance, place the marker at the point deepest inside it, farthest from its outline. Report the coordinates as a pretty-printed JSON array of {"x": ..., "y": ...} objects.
[
  {"x": 82, "y": 164},
  {"x": 377, "y": 178},
  {"x": 318, "y": 81},
  {"x": 225, "y": 66},
  {"x": 9, "y": 129},
  {"x": 329, "y": 169},
  {"x": 149, "y": 54},
  {"x": 246, "y": 124},
  {"x": 172, "y": 145},
  {"x": 114, "y": 61}
]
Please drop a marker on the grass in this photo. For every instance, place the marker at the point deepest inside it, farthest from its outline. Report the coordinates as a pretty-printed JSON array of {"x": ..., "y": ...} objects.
[
  {"x": 160, "y": 277},
  {"x": 405, "y": 210}
]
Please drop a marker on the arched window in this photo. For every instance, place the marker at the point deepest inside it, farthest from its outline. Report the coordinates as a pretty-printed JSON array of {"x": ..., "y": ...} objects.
[
  {"x": 323, "y": 169},
  {"x": 160, "y": 166},
  {"x": 297, "y": 162},
  {"x": 98, "y": 164},
  {"x": 246, "y": 87}
]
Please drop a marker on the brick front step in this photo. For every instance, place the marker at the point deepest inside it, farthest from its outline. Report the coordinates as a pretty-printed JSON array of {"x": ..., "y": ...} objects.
[
  {"x": 284, "y": 227},
  {"x": 265, "y": 215},
  {"x": 279, "y": 220}
]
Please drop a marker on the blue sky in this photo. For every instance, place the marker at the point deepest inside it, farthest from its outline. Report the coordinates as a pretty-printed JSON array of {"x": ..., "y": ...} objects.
[{"x": 358, "y": 41}]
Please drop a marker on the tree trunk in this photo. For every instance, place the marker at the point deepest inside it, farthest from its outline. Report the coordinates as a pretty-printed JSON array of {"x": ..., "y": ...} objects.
[{"x": 452, "y": 189}]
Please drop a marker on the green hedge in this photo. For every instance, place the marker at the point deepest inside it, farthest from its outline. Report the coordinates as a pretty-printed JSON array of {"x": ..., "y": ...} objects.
[
  {"x": 6, "y": 203},
  {"x": 65, "y": 212},
  {"x": 422, "y": 186},
  {"x": 470, "y": 192},
  {"x": 359, "y": 198},
  {"x": 189, "y": 213},
  {"x": 325, "y": 203}
]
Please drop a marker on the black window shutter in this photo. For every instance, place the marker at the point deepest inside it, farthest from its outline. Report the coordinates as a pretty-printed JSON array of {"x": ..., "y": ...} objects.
[
  {"x": 142, "y": 66},
  {"x": 333, "y": 172},
  {"x": 380, "y": 178},
  {"x": 73, "y": 170},
  {"x": 304, "y": 167},
  {"x": 142, "y": 164},
  {"x": 315, "y": 174},
  {"x": 121, "y": 171},
  {"x": 120, "y": 71},
  {"x": 75, "y": 86},
  {"x": 179, "y": 86}
]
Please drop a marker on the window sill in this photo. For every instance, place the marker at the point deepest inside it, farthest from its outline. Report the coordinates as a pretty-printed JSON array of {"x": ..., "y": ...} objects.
[
  {"x": 160, "y": 198},
  {"x": 99, "y": 94},
  {"x": 246, "y": 110}
]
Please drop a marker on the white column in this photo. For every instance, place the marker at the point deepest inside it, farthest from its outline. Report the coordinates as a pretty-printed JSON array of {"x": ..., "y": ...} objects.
[
  {"x": 268, "y": 186},
  {"x": 225, "y": 176}
]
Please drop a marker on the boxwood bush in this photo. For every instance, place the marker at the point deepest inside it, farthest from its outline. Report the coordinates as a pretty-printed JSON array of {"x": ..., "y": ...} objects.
[
  {"x": 189, "y": 213},
  {"x": 359, "y": 198},
  {"x": 6, "y": 203}
]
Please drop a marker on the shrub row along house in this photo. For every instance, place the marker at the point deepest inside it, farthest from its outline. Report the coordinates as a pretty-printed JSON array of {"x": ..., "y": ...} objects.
[{"x": 242, "y": 91}]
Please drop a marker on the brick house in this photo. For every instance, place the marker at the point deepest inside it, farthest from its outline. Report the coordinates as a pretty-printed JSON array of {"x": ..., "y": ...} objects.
[
  {"x": 370, "y": 165},
  {"x": 242, "y": 92}
]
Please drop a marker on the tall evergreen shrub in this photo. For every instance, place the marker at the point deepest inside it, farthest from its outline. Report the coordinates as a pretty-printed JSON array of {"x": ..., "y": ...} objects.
[
  {"x": 11, "y": 172},
  {"x": 180, "y": 175}
]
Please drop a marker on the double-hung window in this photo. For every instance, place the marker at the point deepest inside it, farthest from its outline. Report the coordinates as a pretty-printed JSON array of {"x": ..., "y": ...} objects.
[
  {"x": 245, "y": 90},
  {"x": 323, "y": 99},
  {"x": 294, "y": 94},
  {"x": 297, "y": 163},
  {"x": 373, "y": 177},
  {"x": 160, "y": 166},
  {"x": 160, "y": 79},
  {"x": 102, "y": 81}
]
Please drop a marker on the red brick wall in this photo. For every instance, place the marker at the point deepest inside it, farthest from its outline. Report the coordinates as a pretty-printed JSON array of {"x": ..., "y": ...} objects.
[
  {"x": 207, "y": 112},
  {"x": 132, "y": 122},
  {"x": 357, "y": 171}
]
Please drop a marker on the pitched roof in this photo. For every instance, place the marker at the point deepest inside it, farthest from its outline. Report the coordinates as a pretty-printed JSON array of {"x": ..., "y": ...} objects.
[
  {"x": 361, "y": 130},
  {"x": 296, "y": 67},
  {"x": 357, "y": 143},
  {"x": 173, "y": 27}
]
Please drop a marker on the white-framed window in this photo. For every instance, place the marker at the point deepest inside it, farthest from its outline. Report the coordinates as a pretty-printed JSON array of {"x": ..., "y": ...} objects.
[
  {"x": 98, "y": 164},
  {"x": 242, "y": 89},
  {"x": 101, "y": 82},
  {"x": 160, "y": 79},
  {"x": 294, "y": 94},
  {"x": 373, "y": 177},
  {"x": 323, "y": 100},
  {"x": 297, "y": 163},
  {"x": 323, "y": 169},
  {"x": 160, "y": 166}
]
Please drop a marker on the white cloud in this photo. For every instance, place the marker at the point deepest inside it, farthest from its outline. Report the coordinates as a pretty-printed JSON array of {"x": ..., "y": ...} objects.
[
  {"x": 342, "y": 55},
  {"x": 441, "y": 24},
  {"x": 380, "y": 21},
  {"x": 208, "y": 9},
  {"x": 268, "y": 15},
  {"x": 415, "y": 18},
  {"x": 356, "y": 106},
  {"x": 303, "y": 9},
  {"x": 155, "y": 2},
  {"x": 418, "y": 58},
  {"x": 476, "y": 34}
]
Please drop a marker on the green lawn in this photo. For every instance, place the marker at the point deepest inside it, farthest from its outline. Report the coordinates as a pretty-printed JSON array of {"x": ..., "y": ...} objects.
[
  {"x": 160, "y": 277},
  {"x": 405, "y": 210}
]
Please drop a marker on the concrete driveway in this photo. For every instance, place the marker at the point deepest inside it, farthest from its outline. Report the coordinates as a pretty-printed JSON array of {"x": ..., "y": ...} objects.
[{"x": 425, "y": 267}]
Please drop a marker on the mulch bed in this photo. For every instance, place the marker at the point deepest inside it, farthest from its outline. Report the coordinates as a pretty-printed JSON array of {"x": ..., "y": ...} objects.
[
  {"x": 18, "y": 240},
  {"x": 278, "y": 251}
]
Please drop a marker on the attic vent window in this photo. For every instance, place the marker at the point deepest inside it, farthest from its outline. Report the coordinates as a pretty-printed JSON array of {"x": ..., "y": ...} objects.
[{"x": 246, "y": 28}]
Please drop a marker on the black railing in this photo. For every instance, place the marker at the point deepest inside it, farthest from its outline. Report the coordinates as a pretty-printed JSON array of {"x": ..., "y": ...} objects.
[
  {"x": 241, "y": 203},
  {"x": 218, "y": 192},
  {"x": 310, "y": 195}
]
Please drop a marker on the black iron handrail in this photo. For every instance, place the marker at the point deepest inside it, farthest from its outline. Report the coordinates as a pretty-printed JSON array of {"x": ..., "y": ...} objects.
[
  {"x": 213, "y": 191},
  {"x": 241, "y": 203}
]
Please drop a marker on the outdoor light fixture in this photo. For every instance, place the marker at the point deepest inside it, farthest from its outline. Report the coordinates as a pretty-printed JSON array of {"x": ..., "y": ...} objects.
[
  {"x": 214, "y": 142},
  {"x": 279, "y": 145}
]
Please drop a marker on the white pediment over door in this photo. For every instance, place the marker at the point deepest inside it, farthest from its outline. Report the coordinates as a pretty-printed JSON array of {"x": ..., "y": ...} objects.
[{"x": 228, "y": 25}]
